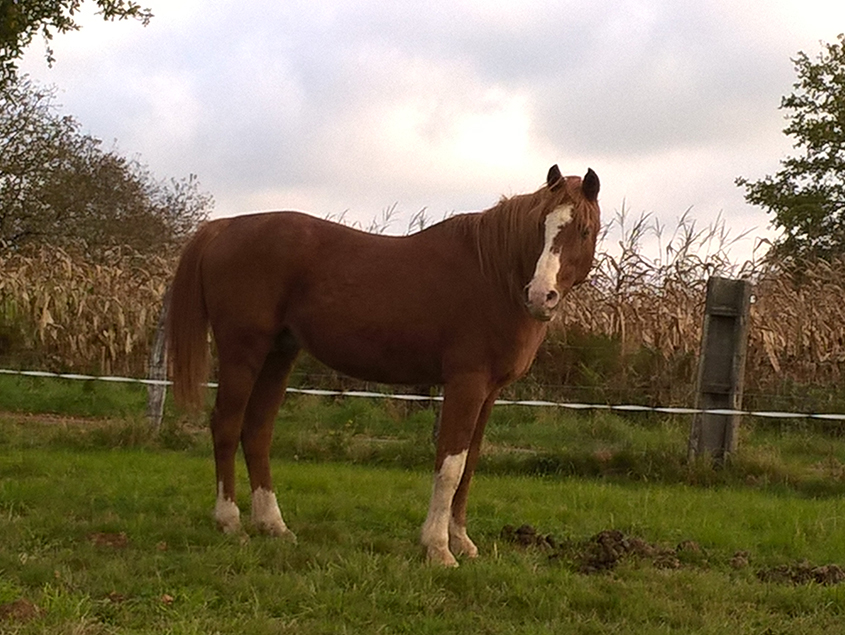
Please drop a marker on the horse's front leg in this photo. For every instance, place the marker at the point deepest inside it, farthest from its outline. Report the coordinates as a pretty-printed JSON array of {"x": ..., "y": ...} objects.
[
  {"x": 459, "y": 541},
  {"x": 463, "y": 400}
]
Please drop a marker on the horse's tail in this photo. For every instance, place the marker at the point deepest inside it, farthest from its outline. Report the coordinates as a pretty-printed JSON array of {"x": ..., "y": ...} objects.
[{"x": 187, "y": 324}]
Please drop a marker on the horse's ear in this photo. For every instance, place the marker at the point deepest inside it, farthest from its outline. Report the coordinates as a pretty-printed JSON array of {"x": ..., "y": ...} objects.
[
  {"x": 590, "y": 185},
  {"x": 554, "y": 177}
]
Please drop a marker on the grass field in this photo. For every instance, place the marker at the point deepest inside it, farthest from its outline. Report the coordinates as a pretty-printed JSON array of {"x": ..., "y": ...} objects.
[{"x": 105, "y": 526}]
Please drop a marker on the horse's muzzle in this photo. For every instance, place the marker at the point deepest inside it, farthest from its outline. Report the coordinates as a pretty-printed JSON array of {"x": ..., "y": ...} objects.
[{"x": 541, "y": 304}]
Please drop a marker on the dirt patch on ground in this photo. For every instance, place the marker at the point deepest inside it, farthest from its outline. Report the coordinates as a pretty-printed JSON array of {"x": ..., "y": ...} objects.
[
  {"x": 113, "y": 540},
  {"x": 607, "y": 549},
  {"x": 803, "y": 573},
  {"x": 21, "y": 610},
  {"x": 24, "y": 418},
  {"x": 604, "y": 551}
]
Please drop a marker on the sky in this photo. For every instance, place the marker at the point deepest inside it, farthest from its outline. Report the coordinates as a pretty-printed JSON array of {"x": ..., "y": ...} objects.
[{"x": 352, "y": 108}]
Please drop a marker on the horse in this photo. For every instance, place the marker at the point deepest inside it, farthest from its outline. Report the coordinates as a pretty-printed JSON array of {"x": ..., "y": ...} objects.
[{"x": 463, "y": 304}]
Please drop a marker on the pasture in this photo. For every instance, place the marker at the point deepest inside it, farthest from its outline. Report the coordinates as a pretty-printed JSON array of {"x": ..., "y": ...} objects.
[{"x": 105, "y": 525}]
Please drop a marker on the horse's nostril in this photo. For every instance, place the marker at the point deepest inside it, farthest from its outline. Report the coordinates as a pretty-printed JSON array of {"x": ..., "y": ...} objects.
[{"x": 552, "y": 297}]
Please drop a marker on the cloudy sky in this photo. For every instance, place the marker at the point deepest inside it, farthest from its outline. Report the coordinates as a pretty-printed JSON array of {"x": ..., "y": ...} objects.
[{"x": 336, "y": 106}]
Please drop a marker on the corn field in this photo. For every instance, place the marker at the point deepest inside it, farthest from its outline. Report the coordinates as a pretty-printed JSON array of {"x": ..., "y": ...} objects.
[
  {"x": 649, "y": 312},
  {"x": 631, "y": 333},
  {"x": 62, "y": 312}
]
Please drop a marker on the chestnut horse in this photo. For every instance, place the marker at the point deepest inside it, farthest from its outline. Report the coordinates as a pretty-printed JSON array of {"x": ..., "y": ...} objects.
[{"x": 464, "y": 304}]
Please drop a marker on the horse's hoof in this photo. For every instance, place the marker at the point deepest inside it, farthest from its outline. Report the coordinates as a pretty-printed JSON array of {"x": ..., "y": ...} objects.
[
  {"x": 230, "y": 528},
  {"x": 441, "y": 558},
  {"x": 469, "y": 551},
  {"x": 227, "y": 515},
  {"x": 460, "y": 544},
  {"x": 267, "y": 517},
  {"x": 276, "y": 529},
  {"x": 285, "y": 534}
]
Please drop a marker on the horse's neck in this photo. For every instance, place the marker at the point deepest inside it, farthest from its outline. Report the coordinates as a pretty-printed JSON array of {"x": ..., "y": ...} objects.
[{"x": 508, "y": 247}]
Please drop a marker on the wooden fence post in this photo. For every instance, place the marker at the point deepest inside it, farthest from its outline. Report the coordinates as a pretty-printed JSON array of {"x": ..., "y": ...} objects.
[
  {"x": 721, "y": 367},
  {"x": 156, "y": 393}
]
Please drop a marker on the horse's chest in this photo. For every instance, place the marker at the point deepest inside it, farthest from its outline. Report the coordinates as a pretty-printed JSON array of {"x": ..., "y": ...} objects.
[{"x": 514, "y": 357}]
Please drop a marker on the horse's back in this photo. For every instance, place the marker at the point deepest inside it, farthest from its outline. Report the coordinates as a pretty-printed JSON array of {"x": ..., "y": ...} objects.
[
  {"x": 411, "y": 309},
  {"x": 317, "y": 261},
  {"x": 384, "y": 308}
]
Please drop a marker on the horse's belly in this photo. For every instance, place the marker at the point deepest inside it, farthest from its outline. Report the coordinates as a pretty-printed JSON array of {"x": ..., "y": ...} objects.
[{"x": 376, "y": 354}]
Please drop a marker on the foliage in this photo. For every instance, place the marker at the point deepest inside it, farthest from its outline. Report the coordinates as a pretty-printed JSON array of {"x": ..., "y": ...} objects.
[
  {"x": 21, "y": 20},
  {"x": 59, "y": 186},
  {"x": 807, "y": 195}
]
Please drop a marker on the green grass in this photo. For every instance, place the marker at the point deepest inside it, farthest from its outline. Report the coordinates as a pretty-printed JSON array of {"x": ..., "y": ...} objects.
[
  {"x": 71, "y": 398},
  {"x": 105, "y": 524},
  {"x": 519, "y": 440},
  {"x": 358, "y": 568}
]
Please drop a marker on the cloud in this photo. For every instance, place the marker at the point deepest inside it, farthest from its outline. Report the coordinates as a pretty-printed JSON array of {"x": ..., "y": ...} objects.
[{"x": 357, "y": 105}]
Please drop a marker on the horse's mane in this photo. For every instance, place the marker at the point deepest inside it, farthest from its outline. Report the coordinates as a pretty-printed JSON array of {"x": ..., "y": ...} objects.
[{"x": 508, "y": 237}]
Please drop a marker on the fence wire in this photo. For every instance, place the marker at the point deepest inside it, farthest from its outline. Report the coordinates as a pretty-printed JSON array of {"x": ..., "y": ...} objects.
[{"x": 499, "y": 402}]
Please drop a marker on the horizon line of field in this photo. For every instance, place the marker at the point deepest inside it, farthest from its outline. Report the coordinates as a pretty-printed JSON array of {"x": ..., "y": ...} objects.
[{"x": 676, "y": 410}]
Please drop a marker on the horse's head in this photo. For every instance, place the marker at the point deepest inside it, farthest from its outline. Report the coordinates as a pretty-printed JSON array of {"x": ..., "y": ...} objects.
[{"x": 570, "y": 226}]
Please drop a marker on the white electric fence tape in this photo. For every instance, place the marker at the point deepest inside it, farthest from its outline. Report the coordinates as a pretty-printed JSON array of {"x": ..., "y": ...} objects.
[{"x": 499, "y": 402}]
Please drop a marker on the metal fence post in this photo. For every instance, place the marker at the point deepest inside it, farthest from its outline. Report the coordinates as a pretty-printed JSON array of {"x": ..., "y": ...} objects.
[{"x": 721, "y": 367}]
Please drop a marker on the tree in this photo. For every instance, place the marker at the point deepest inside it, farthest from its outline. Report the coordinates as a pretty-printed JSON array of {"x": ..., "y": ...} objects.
[
  {"x": 20, "y": 20},
  {"x": 59, "y": 186},
  {"x": 807, "y": 195}
]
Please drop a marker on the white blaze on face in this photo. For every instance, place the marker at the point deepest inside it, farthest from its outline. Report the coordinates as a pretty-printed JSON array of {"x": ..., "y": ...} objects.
[
  {"x": 435, "y": 531},
  {"x": 543, "y": 295}
]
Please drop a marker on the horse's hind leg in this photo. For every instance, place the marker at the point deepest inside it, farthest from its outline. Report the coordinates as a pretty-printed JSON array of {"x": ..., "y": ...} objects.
[
  {"x": 235, "y": 385},
  {"x": 257, "y": 435}
]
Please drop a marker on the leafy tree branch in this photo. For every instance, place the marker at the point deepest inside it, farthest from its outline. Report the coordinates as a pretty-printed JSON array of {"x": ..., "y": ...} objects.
[
  {"x": 806, "y": 197},
  {"x": 22, "y": 20}
]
